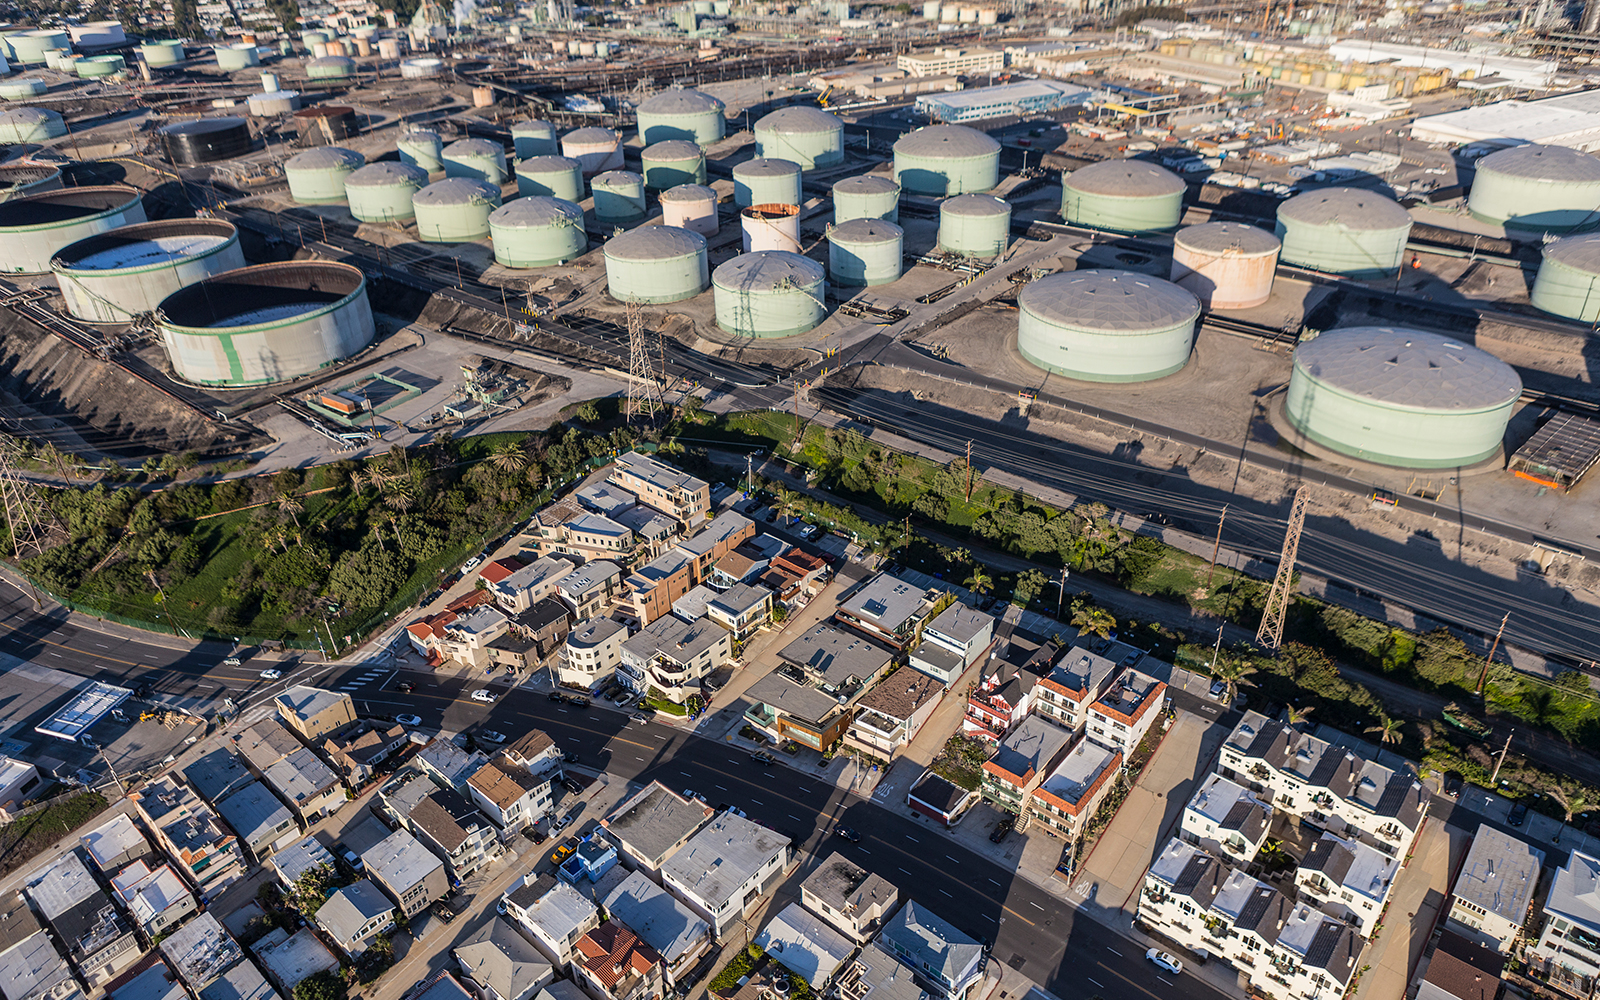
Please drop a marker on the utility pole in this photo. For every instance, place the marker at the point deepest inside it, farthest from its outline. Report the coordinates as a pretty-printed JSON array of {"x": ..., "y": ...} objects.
[
  {"x": 797, "y": 410},
  {"x": 1216, "y": 651},
  {"x": 969, "y": 473},
  {"x": 1495, "y": 777},
  {"x": 644, "y": 392},
  {"x": 1483, "y": 676},
  {"x": 1270, "y": 634},
  {"x": 749, "y": 474},
  {"x": 1062, "y": 600},
  {"x": 1216, "y": 548}
]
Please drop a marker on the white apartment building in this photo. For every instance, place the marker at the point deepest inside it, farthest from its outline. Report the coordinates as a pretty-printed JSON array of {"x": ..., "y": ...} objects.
[
  {"x": 1226, "y": 818},
  {"x": 725, "y": 869},
  {"x": 952, "y": 62},
  {"x": 952, "y": 641},
  {"x": 673, "y": 656},
  {"x": 1569, "y": 947},
  {"x": 1490, "y": 901},
  {"x": 1124, "y": 713},
  {"x": 1347, "y": 879},
  {"x": 592, "y": 653},
  {"x": 1076, "y": 681}
]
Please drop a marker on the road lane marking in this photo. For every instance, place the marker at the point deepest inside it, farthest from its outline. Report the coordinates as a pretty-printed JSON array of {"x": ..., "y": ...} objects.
[
  {"x": 1125, "y": 979},
  {"x": 1097, "y": 985},
  {"x": 947, "y": 894},
  {"x": 1019, "y": 916},
  {"x": 1115, "y": 952},
  {"x": 721, "y": 789},
  {"x": 1032, "y": 903},
  {"x": 797, "y": 819},
  {"x": 865, "y": 851},
  {"x": 914, "y": 840},
  {"x": 957, "y": 862},
  {"x": 756, "y": 801},
  {"x": 904, "y": 870},
  {"x": 995, "y": 881},
  {"x": 102, "y": 645}
]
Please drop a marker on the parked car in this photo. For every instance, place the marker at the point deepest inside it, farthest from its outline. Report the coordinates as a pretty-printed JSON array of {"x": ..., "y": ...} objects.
[
  {"x": 1165, "y": 961},
  {"x": 1001, "y": 829},
  {"x": 350, "y": 857},
  {"x": 271, "y": 675},
  {"x": 406, "y": 687},
  {"x": 643, "y": 717},
  {"x": 692, "y": 795},
  {"x": 409, "y": 720},
  {"x": 491, "y": 736},
  {"x": 561, "y": 853},
  {"x": 763, "y": 758},
  {"x": 472, "y": 564},
  {"x": 845, "y": 833},
  {"x": 572, "y": 785},
  {"x": 560, "y": 823},
  {"x": 735, "y": 810},
  {"x": 571, "y": 758},
  {"x": 809, "y": 532},
  {"x": 577, "y": 701},
  {"x": 483, "y": 695},
  {"x": 557, "y": 696},
  {"x": 623, "y": 697},
  {"x": 1219, "y": 690},
  {"x": 500, "y": 907},
  {"x": 232, "y": 661},
  {"x": 1518, "y": 814}
]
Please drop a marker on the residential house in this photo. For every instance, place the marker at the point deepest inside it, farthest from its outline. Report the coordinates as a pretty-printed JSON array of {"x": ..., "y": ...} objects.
[
  {"x": 940, "y": 799},
  {"x": 264, "y": 744},
  {"x": 563, "y": 989},
  {"x": 786, "y": 710},
  {"x": 514, "y": 651},
  {"x": 1490, "y": 900},
  {"x": 218, "y": 775},
  {"x": 653, "y": 531},
  {"x": 510, "y": 795},
  {"x": 115, "y": 844},
  {"x": 1348, "y": 879},
  {"x": 566, "y": 528},
  {"x": 589, "y": 863},
  {"x": 1076, "y": 682},
  {"x": 307, "y": 784},
  {"x": 741, "y": 609},
  {"x": 1124, "y": 713},
  {"x": 725, "y": 869},
  {"x": 957, "y": 638},
  {"x": 313, "y": 712},
  {"x": 613, "y": 964},
  {"x": 155, "y": 982},
  {"x": 204, "y": 851},
  {"x": 355, "y": 916},
  {"x": 590, "y": 589},
  {"x": 855, "y": 901},
  {"x": 156, "y": 900},
  {"x": 1568, "y": 950},
  {"x": 745, "y": 563},
  {"x": 1226, "y": 818},
  {"x": 1066, "y": 800},
  {"x": 260, "y": 820},
  {"x": 673, "y": 930},
  {"x": 440, "y": 986},
  {"x": 30, "y": 966},
  {"x": 359, "y": 748},
  {"x": 463, "y": 636},
  {"x": 650, "y": 826},
  {"x": 888, "y": 609},
  {"x": 290, "y": 959},
  {"x": 605, "y": 498},
  {"x": 500, "y": 964},
  {"x": 673, "y": 656},
  {"x": 534, "y": 750},
  {"x": 449, "y": 765},
  {"x": 553, "y": 914},
  {"x": 1034, "y": 750},
  {"x": 662, "y": 487},
  {"x": 889, "y": 716},
  {"x": 795, "y": 577},
  {"x": 527, "y": 586},
  {"x": 1461, "y": 970},
  {"x": 499, "y": 570},
  {"x": 455, "y": 830},
  {"x": 1005, "y": 691},
  {"x": 663, "y": 580},
  {"x": 838, "y": 662},
  {"x": 410, "y": 873},
  {"x": 593, "y": 654},
  {"x": 303, "y": 856},
  {"x": 874, "y": 974},
  {"x": 19, "y": 779},
  {"x": 545, "y": 624},
  {"x": 239, "y": 981},
  {"x": 1322, "y": 954},
  {"x": 202, "y": 950},
  {"x": 1179, "y": 888},
  {"x": 806, "y": 945},
  {"x": 947, "y": 963}
]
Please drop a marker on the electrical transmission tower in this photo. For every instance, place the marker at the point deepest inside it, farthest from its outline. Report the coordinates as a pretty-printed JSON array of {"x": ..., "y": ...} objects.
[
  {"x": 22, "y": 509},
  {"x": 644, "y": 389},
  {"x": 1270, "y": 634}
]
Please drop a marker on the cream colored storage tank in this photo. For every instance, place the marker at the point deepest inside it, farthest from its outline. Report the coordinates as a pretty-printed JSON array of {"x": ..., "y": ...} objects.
[
  {"x": 598, "y": 149},
  {"x": 618, "y": 198},
  {"x": 34, "y": 227},
  {"x": 1124, "y": 196},
  {"x": 770, "y": 294},
  {"x": 1226, "y": 265},
  {"x": 1106, "y": 325},
  {"x": 974, "y": 225},
  {"x": 534, "y": 138},
  {"x": 771, "y": 227},
  {"x": 455, "y": 210},
  {"x": 866, "y": 197},
  {"x": 1549, "y": 188},
  {"x": 1354, "y": 233},
  {"x": 537, "y": 232},
  {"x": 692, "y": 207},
  {"x": 478, "y": 159},
  {"x": 382, "y": 192},
  {"x": 766, "y": 182},
  {"x": 810, "y": 137},
  {"x": 865, "y": 252},
  {"x": 671, "y": 163},
  {"x": 317, "y": 176},
  {"x": 422, "y": 148},
  {"x": 553, "y": 176}
]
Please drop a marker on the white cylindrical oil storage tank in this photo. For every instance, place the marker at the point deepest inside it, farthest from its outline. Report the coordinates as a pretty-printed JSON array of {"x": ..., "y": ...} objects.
[
  {"x": 422, "y": 148},
  {"x": 30, "y": 125},
  {"x": 60, "y": 59},
  {"x": 21, "y": 181},
  {"x": 974, "y": 225},
  {"x": 237, "y": 57},
  {"x": 167, "y": 52},
  {"x": 866, "y": 197},
  {"x": 1346, "y": 231},
  {"x": 34, "y": 227},
  {"x": 317, "y": 176},
  {"x": 534, "y": 138},
  {"x": 553, "y": 176},
  {"x": 30, "y": 46},
  {"x": 692, "y": 207},
  {"x": 455, "y": 210},
  {"x": 310, "y": 38},
  {"x": 1400, "y": 397},
  {"x": 618, "y": 198},
  {"x": 96, "y": 34},
  {"x": 672, "y": 162},
  {"x": 949, "y": 14},
  {"x": 770, "y": 294},
  {"x": 598, "y": 149},
  {"x": 1124, "y": 196},
  {"x": 930, "y": 10},
  {"x": 278, "y": 102},
  {"x": 537, "y": 232},
  {"x": 944, "y": 160},
  {"x": 770, "y": 227},
  {"x": 1569, "y": 278},
  {"x": 331, "y": 68},
  {"x": 266, "y": 323},
  {"x": 319, "y": 50},
  {"x": 388, "y": 48},
  {"x": 1226, "y": 265},
  {"x": 22, "y": 90},
  {"x": 682, "y": 114},
  {"x": 479, "y": 159},
  {"x": 420, "y": 69},
  {"x": 97, "y": 66},
  {"x": 1106, "y": 325},
  {"x": 269, "y": 83},
  {"x": 810, "y": 137},
  {"x": 383, "y": 191},
  {"x": 765, "y": 181},
  {"x": 1550, "y": 188},
  {"x": 124, "y": 273},
  {"x": 864, "y": 252},
  {"x": 988, "y": 15},
  {"x": 656, "y": 264}
]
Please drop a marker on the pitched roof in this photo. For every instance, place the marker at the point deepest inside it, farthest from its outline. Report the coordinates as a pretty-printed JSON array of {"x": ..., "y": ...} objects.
[
  {"x": 652, "y": 913},
  {"x": 611, "y": 952},
  {"x": 349, "y": 908},
  {"x": 503, "y": 783},
  {"x": 500, "y": 569},
  {"x": 500, "y": 959}
]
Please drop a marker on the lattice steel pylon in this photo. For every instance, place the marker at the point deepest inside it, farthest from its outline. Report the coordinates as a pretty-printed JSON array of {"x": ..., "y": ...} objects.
[
  {"x": 644, "y": 388},
  {"x": 1270, "y": 634},
  {"x": 22, "y": 517}
]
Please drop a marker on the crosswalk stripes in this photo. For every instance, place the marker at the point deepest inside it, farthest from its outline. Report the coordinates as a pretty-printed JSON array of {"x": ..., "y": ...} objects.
[{"x": 362, "y": 681}]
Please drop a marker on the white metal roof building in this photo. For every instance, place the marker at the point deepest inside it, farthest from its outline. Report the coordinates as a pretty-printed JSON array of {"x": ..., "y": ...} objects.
[
  {"x": 730, "y": 862},
  {"x": 1027, "y": 98},
  {"x": 805, "y": 945},
  {"x": 74, "y": 719}
]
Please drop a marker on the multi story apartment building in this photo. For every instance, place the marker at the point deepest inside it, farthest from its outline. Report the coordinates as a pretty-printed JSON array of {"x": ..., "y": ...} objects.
[
  {"x": 1124, "y": 713},
  {"x": 525, "y": 587},
  {"x": 1034, "y": 750},
  {"x": 662, "y": 487},
  {"x": 462, "y": 637},
  {"x": 1004, "y": 694},
  {"x": 313, "y": 712},
  {"x": 855, "y": 901},
  {"x": 673, "y": 656},
  {"x": 97, "y": 940},
  {"x": 1067, "y": 798},
  {"x": 725, "y": 869},
  {"x": 660, "y": 582},
  {"x": 1226, "y": 818},
  {"x": 889, "y": 716},
  {"x": 510, "y": 795},
  {"x": 410, "y": 873},
  {"x": 590, "y": 589},
  {"x": 952, "y": 62},
  {"x": 649, "y": 827},
  {"x": 887, "y": 609},
  {"x": 1490, "y": 900},
  {"x": 553, "y": 914},
  {"x": 593, "y": 653},
  {"x": 202, "y": 849},
  {"x": 952, "y": 642},
  {"x": 1076, "y": 682},
  {"x": 1347, "y": 879},
  {"x": 566, "y": 528},
  {"x": 307, "y": 784},
  {"x": 1568, "y": 950},
  {"x": 948, "y": 964}
]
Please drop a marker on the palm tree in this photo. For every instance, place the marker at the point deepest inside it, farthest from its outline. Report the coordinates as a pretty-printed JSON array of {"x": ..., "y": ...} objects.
[
  {"x": 786, "y": 502},
  {"x": 1388, "y": 730},
  {"x": 509, "y": 457},
  {"x": 980, "y": 582},
  {"x": 1094, "y": 621},
  {"x": 1573, "y": 799},
  {"x": 400, "y": 500},
  {"x": 291, "y": 505},
  {"x": 1298, "y": 715},
  {"x": 1233, "y": 671}
]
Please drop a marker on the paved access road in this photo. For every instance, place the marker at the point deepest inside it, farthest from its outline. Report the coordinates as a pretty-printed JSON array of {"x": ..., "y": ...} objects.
[{"x": 1033, "y": 931}]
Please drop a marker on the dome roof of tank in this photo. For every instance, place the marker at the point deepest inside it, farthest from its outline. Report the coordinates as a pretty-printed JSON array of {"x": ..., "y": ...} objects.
[
  {"x": 1545, "y": 163},
  {"x": 33, "y": 116},
  {"x": 1109, "y": 301},
  {"x": 385, "y": 173},
  {"x": 980, "y": 206},
  {"x": 1228, "y": 237},
  {"x": 548, "y": 165},
  {"x": 680, "y": 102},
  {"x": 768, "y": 270},
  {"x": 344, "y": 61},
  {"x": 422, "y": 134},
  {"x": 766, "y": 166},
  {"x": 655, "y": 243},
  {"x": 689, "y": 192},
  {"x": 474, "y": 147},
  {"x": 325, "y": 157},
  {"x": 593, "y": 133},
  {"x": 799, "y": 119},
  {"x": 953, "y": 141},
  {"x": 865, "y": 231},
  {"x": 537, "y": 211},
  {"x": 456, "y": 191},
  {"x": 1581, "y": 253},
  {"x": 616, "y": 178},
  {"x": 533, "y": 127},
  {"x": 1125, "y": 179},
  {"x": 1409, "y": 368},
  {"x": 866, "y": 184},
  {"x": 673, "y": 149},
  {"x": 1346, "y": 207}
]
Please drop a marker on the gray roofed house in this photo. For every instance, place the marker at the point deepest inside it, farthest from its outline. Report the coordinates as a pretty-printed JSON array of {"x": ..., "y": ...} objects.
[
  {"x": 741, "y": 609},
  {"x": 1567, "y": 947},
  {"x": 605, "y": 498},
  {"x": 266, "y": 743},
  {"x": 1187, "y": 871},
  {"x": 1225, "y": 817},
  {"x": 354, "y": 915},
  {"x": 155, "y": 983},
  {"x": 411, "y": 874},
  {"x": 952, "y": 641},
  {"x": 259, "y": 818},
  {"x": 1026, "y": 756},
  {"x": 1322, "y": 944},
  {"x": 201, "y": 950},
  {"x": 95, "y": 936},
  {"x": 298, "y": 858},
  {"x": 1348, "y": 879},
  {"x": 1490, "y": 900},
  {"x": 454, "y": 828},
  {"x": 562, "y": 989},
  {"x": 554, "y": 914},
  {"x": 836, "y": 660},
  {"x": 849, "y": 897},
  {"x": 115, "y": 843},
  {"x": 805, "y": 944},
  {"x": 30, "y": 966},
  {"x": 502, "y": 964},
  {"x": 652, "y": 824},
  {"x": 440, "y": 986},
  {"x": 192, "y": 835},
  {"x": 449, "y": 764},
  {"x": 887, "y": 608},
  {"x": 290, "y": 958},
  {"x": 307, "y": 784},
  {"x": 726, "y": 867},
  {"x": 677, "y": 934},
  {"x": 240, "y": 981},
  {"x": 874, "y": 974},
  {"x": 783, "y": 695},
  {"x": 947, "y": 962},
  {"x": 218, "y": 775}
]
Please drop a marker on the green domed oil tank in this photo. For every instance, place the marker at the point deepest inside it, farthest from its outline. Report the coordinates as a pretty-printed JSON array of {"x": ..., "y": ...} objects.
[
  {"x": 866, "y": 197},
  {"x": 30, "y": 46},
  {"x": 766, "y": 182},
  {"x": 1123, "y": 196},
  {"x": 944, "y": 160},
  {"x": 682, "y": 114},
  {"x": 534, "y": 138},
  {"x": 478, "y": 159},
  {"x": 1346, "y": 231},
  {"x": 1569, "y": 278},
  {"x": 974, "y": 225},
  {"x": 537, "y": 232},
  {"x": 382, "y": 192},
  {"x": 331, "y": 68},
  {"x": 455, "y": 210},
  {"x": 22, "y": 90},
  {"x": 1401, "y": 397},
  {"x": 671, "y": 163},
  {"x": 770, "y": 293},
  {"x": 97, "y": 66},
  {"x": 422, "y": 148},
  {"x": 618, "y": 198},
  {"x": 1106, "y": 325},
  {"x": 30, "y": 125},
  {"x": 810, "y": 137},
  {"x": 165, "y": 52},
  {"x": 317, "y": 176},
  {"x": 865, "y": 252},
  {"x": 553, "y": 176},
  {"x": 1549, "y": 188},
  {"x": 656, "y": 264}
]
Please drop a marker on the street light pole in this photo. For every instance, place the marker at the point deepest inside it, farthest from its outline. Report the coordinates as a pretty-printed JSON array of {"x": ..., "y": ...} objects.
[{"x": 1062, "y": 599}]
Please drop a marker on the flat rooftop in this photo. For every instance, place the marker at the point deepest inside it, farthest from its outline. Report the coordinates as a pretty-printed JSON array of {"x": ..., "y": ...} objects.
[
  {"x": 1080, "y": 771},
  {"x": 83, "y": 710},
  {"x": 1500, "y": 874}
]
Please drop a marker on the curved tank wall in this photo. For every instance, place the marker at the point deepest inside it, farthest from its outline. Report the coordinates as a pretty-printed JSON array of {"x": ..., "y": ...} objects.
[
  {"x": 1568, "y": 283},
  {"x": 382, "y": 192},
  {"x": 682, "y": 114},
  {"x": 1358, "y": 234},
  {"x": 1401, "y": 397},
  {"x": 671, "y": 163},
  {"x": 1124, "y": 196},
  {"x": 773, "y": 293},
  {"x": 277, "y": 102},
  {"x": 866, "y": 197},
  {"x": 20, "y": 125},
  {"x": 1106, "y": 325},
  {"x": 97, "y": 66},
  {"x": 618, "y": 198},
  {"x": 317, "y": 176},
  {"x": 168, "y": 52},
  {"x": 944, "y": 160},
  {"x": 534, "y": 138},
  {"x": 266, "y": 323},
  {"x": 656, "y": 264},
  {"x": 537, "y": 232},
  {"x": 34, "y": 227},
  {"x": 692, "y": 207},
  {"x": 552, "y": 176},
  {"x": 766, "y": 182},
  {"x": 18, "y": 181},
  {"x": 30, "y": 46},
  {"x": 124, "y": 273},
  {"x": 231, "y": 58},
  {"x": 22, "y": 90},
  {"x": 1550, "y": 188},
  {"x": 478, "y": 159},
  {"x": 810, "y": 137},
  {"x": 206, "y": 140},
  {"x": 422, "y": 148},
  {"x": 455, "y": 210},
  {"x": 598, "y": 149},
  {"x": 770, "y": 227},
  {"x": 331, "y": 68},
  {"x": 975, "y": 225},
  {"x": 864, "y": 252},
  {"x": 1226, "y": 265}
]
